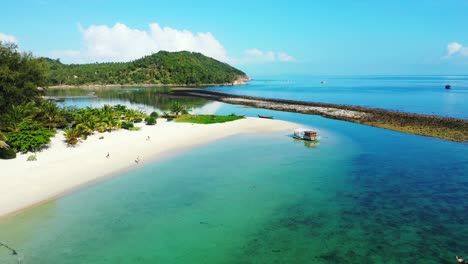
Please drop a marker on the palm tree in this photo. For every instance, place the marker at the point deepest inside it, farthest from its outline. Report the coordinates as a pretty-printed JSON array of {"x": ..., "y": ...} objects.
[
  {"x": 72, "y": 136},
  {"x": 17, "y": 115},
  {"x": 86, "y": 122},
  {"x": 3, "y": 140},
  {"x": 176, "y": 108},
  {"x": 52, "y": 114}
]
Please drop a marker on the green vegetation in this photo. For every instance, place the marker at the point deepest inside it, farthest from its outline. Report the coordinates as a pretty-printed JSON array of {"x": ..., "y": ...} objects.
[
  {"x": 3, "y": 140},
  {"x": 7, "y": 153},
  {"x": 207, "y": 119},
  {"x": 32, "y": 158},
  {"x": 183, "y": 68},
  {"x": 27, "y": 122},
  {"x": 177, "y": 108},
  {"x": 20, "y": 76},
  {"x": 154, "y": 114},
  {"x": 151, "y": 121},
  {"x": 86, "y": 121},
  {"x": 29, "y": 137}
]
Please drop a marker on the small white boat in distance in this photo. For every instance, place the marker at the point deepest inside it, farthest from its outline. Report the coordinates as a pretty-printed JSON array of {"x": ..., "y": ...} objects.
[
  {"x": 323, "y": 82},
  {"x": 305, "y": 134}
]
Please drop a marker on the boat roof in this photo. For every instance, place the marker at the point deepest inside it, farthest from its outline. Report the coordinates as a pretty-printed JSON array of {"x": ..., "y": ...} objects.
[{"x": 304, "y": 130}]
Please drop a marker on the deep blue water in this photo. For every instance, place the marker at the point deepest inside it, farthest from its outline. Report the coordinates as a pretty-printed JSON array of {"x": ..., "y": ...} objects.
[{"x": 417, "y": 94}]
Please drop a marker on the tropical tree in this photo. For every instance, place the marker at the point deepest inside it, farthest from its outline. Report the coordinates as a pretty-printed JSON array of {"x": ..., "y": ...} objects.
[
  {"x": 177, "y": 108},
  {"x": 20, "y": 76},
  {"x": 3, "y": 139},
  {"x": 30, "y": 136},
  {"x": 72, "y": 136},
  {"x": 17, "y": 115},
  {"x": 52, "y": 115}
]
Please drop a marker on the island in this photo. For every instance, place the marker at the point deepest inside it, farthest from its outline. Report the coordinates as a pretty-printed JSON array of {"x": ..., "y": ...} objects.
[{"x": 159, "y": 69}]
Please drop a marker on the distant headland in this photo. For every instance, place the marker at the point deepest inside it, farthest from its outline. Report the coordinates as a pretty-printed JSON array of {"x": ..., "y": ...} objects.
[{"x": 159, "y": 69}]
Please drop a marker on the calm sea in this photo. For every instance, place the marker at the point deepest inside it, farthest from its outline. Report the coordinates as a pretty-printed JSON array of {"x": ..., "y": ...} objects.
[
  {"x": 417, "y": 94},
  {"x": 361, "y": 195}
]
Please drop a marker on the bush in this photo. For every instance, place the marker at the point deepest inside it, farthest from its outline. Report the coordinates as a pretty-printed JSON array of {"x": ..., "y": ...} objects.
[
  {"x": 31, "y": 137},
  {"x": 138, "y": 120},
  {"x": 151, "y": 121},
  {"x": 126, "y": 125},
  {"x": 154, "y": 114},
  {"x": 7, "y": 153},
  {"x": 32, "y": 158}
]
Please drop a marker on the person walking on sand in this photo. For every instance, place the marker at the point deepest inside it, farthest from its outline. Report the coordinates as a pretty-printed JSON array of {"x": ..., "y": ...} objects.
[
  {"x": 460, "y": 260},
  {"x": 108, "y": 155}
]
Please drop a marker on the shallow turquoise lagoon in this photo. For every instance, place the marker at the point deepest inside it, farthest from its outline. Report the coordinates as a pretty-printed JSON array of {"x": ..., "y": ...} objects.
[{"x": 362, "y": 195}]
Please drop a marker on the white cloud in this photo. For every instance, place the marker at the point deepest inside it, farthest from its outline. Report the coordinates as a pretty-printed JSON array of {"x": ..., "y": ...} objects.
[
  {"x": 285, "y": 57},
  {"x": 456, "y": 48},
  {"x": 258, "y": 56},
  {"x": 8, "y": 38},
  {"x": 121, "y": 43}
]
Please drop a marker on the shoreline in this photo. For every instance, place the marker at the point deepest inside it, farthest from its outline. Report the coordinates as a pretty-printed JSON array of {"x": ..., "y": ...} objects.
[
  {"x": 61, "y": 170},
  {"x": 447, "y": 128},
  {"x": 239, "y": 81}
]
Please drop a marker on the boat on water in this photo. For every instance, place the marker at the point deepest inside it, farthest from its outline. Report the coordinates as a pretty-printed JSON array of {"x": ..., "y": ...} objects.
[
  {"x": 267, "y": 117},
  {"x": 448, "y": 86},
  {"x": 305, "y": 134}
]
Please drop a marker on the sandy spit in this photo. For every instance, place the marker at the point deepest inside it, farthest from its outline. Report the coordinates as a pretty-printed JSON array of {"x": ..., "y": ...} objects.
[{"x": 60, "y": 169}]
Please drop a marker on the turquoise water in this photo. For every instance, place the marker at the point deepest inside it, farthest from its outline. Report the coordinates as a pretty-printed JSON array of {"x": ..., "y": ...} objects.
[{"x": 362, "y": 195}]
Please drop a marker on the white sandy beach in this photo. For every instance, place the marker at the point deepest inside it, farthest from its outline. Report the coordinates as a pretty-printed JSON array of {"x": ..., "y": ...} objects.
[{"x": 60, "y": 169}]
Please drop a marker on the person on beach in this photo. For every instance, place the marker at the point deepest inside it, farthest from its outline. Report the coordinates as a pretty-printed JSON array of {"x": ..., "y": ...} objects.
[
  {"x": 460, "y": 260},
  {"x": 137, "y": 159},
  {"x": 148, "y": 138},
  {"x": 108, "y": 155}
]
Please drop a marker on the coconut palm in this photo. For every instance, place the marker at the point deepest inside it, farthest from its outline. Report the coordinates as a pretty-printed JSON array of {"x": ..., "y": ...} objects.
[
  {"x": 3, "y": 140},
  {"x": 16, "y": 115},
  {"x": 72, "y": 136},
  {"x": 52, "y": 114},
  {"x": 177, "y": 108}
]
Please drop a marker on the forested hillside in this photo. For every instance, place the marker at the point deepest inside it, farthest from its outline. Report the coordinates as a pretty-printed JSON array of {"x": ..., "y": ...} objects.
[{"x": 160, "y": 68}]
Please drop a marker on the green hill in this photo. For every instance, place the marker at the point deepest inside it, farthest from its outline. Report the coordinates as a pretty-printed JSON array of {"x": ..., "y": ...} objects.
[{"x": 160, "y": 68}]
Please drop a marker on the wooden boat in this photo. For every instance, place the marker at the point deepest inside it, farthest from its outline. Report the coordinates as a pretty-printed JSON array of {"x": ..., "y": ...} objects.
[
  {"x": 305, "y": 134},
  {"x": 268, "y": 117}
]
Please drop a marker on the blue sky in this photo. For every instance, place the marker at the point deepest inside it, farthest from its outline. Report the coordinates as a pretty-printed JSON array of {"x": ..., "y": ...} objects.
[{"x": 259, "y": 37}]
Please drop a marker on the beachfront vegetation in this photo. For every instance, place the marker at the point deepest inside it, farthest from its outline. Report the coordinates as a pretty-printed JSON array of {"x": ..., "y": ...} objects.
[
  {"x": 207, "y": 119},
  {"x": 30, "y": 136},
  {"x": 150, "y": 121},
  {"x": 7, "y": 153},
  {"x": 182, "y": 68},
  {"x": 154, "y": 114},
  {"x": 177, "y": 108},
  {"x": 20, "y": 76},
  {"x": 3, "y": 140},
  {"x": 27, "y": 121}
]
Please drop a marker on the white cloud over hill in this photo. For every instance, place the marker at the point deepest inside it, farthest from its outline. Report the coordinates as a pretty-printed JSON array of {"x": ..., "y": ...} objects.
[{"x": 120, "y": 43}]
